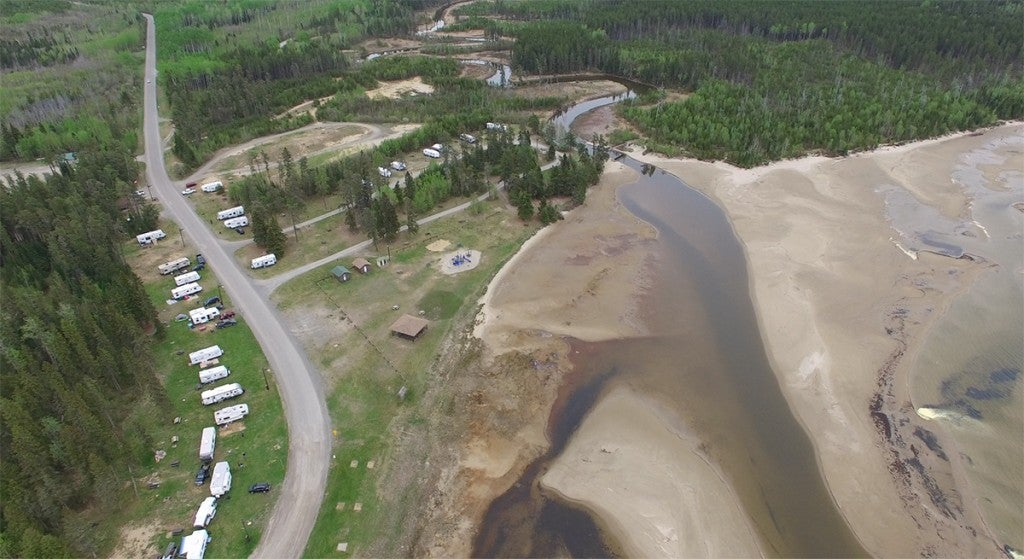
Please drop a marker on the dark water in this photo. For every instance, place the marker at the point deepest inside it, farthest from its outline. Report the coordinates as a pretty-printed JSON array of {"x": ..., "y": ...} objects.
[{"x": 709, "y": 365}]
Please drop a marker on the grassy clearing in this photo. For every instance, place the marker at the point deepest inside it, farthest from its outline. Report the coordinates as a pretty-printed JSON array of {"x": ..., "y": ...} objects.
[
  {"x": 259, "y": 442},
  {"x": 304, "y": 143},
  {"x": 318, "y": 240},
  {"x": 365, "y": 365}
]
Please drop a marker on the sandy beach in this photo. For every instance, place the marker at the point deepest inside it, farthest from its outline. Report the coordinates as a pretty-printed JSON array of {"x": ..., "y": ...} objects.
[{"x": 842, "y": 310}]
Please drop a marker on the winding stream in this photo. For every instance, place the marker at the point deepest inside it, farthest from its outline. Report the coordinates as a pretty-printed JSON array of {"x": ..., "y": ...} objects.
[{"x": 709, "y": 364}]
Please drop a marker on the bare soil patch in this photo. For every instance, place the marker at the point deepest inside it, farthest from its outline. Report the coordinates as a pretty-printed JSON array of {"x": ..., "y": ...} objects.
[
  {"x": 395, "y": 90},
  {"x": 136, "y": 540},
  {"x": 575, "y": 91}
]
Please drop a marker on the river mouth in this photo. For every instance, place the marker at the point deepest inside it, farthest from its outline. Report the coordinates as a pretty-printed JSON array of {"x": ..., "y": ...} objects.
[{"x": 708, "y": 364}]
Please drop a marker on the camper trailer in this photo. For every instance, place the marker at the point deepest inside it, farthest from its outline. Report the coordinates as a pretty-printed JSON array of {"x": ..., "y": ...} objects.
[
  {"x": 207, "y": 510},
  {"x": 220, "y": 483},
  {"x": 207, "y": 444},
  {"x": 468, "y": 138},
  {"x": 221, "y": 393},
  {"x": 150, "y": 237},
  {"x": 168, "y": 268},
  {"x": 212, "y": 186},
  {"x": 398, "y": 165},
  {"x": 186, "y": 290},
  {"x": 430, "y": 152},
  {"x": 205, "y": 354},
  {"x": 213, "y": 374},
  {"x": 229, "y": 414},
  {"x": 190, "y": 277},
  {"x": 193, "y": 546},
  {"x": 231, "y": 212},
  {"x": 496, "y": 126},
  {"x": 384, "y": 172},
  {"x": 264, "y": 261},
  {"x": 203, "y": 315},
  {"x": 236, "y": 222}
]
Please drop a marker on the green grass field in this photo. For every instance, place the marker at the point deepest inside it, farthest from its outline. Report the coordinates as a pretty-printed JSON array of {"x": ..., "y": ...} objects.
[{"x": 365, "y": 365}]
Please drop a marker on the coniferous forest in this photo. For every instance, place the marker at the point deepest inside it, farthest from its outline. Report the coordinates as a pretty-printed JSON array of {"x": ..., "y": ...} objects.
[
  {"x": 777, "y": 79},
  {"x": 78, "y": 389}
]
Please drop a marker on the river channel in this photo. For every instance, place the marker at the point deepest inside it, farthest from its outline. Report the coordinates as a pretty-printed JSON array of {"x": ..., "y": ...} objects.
[{"x": 709, "y": 363}]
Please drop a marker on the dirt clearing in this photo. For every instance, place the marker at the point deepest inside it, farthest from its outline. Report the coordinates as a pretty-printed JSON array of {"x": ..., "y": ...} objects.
[{"x": 395, "y": 90}]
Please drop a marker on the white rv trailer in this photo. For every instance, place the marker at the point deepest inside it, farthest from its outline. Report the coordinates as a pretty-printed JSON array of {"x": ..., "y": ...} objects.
[
  {"x": 496, "y": 126},
  {"x": 221, "y": 393},
  {"x": 231, "y": 212},
  {"x": 205, "y": 354},
  {"x": 193, "y": 546},
  {"x": 229, "y": 414},
  {"x": 213, "y": 374},
  {"x": 207, "y": 510},
  {"x": 150, "y": 237},
  {"x": 220, "y": 483},
  {"x": 264, "y": 261},
  {"x": 398, "y": 165},
  {"x": 236, "y": 222},
  {"x": 384, "y": 172},
  {"x": 186, "y": 290},
  {"x": 207, "y": 444},
  {"x": 212, "y": 186},
  {"x": 203, "y": 315},
  {"x": 430, "y": 152},
  {"x": 173, "y": 266},
  {"x": 190, "y": 277}
]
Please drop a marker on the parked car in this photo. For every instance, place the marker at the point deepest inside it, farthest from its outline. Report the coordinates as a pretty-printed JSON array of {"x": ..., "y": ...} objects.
[
  {"x": 259, "y": 488},
  {"x": 188, "y": 192},
  {"x": 198, "y": 267},
  {"x": 190, "y": 185},
  {"x": 212, "y": 301},
  {"x": 226, "y": 323},
  {"x": 227, "y": 314},
  {"x": 181, "y": 317},
  {"x": 140, "y": 194},
  {"x": 240, "y": 230},
  {"x": 200, "y": 259},
  {"x": 202, "y": 474}
]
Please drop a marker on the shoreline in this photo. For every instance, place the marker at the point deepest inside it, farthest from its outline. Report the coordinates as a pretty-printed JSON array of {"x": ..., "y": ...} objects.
[{"x": 773, "y": 280}]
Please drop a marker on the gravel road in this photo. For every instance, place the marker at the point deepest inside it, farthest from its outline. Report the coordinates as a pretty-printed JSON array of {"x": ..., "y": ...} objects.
[{"x": 309, "y": 428}]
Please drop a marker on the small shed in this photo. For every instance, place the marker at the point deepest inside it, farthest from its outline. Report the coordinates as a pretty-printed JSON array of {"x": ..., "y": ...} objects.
[
  {"x": 362, "y": 265},
  {"x": 341, "y": 273},
  {"x": 409, "y": 327}
]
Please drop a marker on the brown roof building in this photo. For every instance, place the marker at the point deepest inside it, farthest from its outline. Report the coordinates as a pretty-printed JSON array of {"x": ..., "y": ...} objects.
[
  {"x": 362, "y": 265},
  {"x": 408, "y": 326}
]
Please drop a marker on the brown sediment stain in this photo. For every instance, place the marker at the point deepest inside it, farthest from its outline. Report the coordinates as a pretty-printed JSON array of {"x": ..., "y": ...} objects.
[{"x": 921, "y": 475}]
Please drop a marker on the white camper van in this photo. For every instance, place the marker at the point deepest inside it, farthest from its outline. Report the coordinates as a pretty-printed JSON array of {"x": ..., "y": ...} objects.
[
  {"x": 203, "y": 315},
  {"x": 264, "y": 261},
  {"x": 430, "y": 152},
  {"x": 231, "y": 212},
  {"x": 186, "y": 290},
  {"x": 207, "y": 444},
  {"x": 384, "y": 172},
  {"x": 173, "y": 266},
  {"x": 150, "y": 237},
  {"x": 221, "y": 393},
  {"x": 229, "y": 414},
  {"x": 207, "y": 510},
  {"x": 398, "y": 165},
  {"x": 212, "y": 186},
  {"x": 220, "y": 483},
  {"x": 193, "y": 546},
  {"x": 213, "y": 374},
  {"x": 190, "y": 277},
  {"x": 236, "y": 222},
  {"x": 205, "y": 354}
]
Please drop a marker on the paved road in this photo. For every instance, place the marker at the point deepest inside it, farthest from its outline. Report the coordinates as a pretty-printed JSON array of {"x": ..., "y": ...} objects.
[{"x": 309, "y": 429}]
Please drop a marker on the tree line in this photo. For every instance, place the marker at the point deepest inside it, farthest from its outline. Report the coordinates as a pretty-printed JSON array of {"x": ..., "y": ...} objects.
[
  {"x": 773, "y": 79},
  {"x": 78, "y": 394}
]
